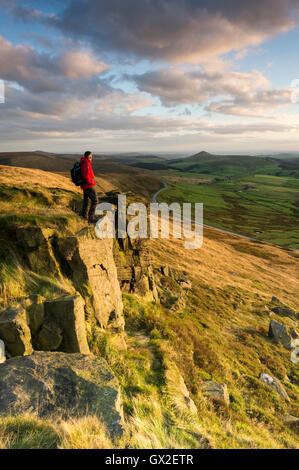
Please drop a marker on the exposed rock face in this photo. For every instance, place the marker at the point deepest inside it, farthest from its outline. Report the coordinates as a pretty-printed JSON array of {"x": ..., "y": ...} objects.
[
  {"x": 88, "y": 262},
  {"x": 60, "y": 325},
  {"x": 275, "y": 384},
  {"x": 90, "y": 265},
  {"x": 216, "y": 392},
  {"x": 291, "y": 420},
  {"x": 35, "y": 312},
  {"x": 37, "y": 248},
  {"x": 14, "y": 331},
  {"x": 134, "y": 270},
  {"x": 49, "y": 338},
  {"x": 172, "y": 287},
  {"x": 175, "y": 384},
  {"x": 279, "y": 333},
  {"x": 53, "y": 384},
  {"x": 2, "y": 352},
  {"x": 57, "y": 325},
  {"x": 63, "y": 328}
]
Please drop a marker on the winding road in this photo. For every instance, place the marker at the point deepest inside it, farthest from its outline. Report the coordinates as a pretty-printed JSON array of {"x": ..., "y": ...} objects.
[{"x": 216, "y": 228}]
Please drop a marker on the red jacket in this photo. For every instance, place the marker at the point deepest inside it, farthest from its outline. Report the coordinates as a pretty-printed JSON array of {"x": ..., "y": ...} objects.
[{"x": 87, "y": 173}]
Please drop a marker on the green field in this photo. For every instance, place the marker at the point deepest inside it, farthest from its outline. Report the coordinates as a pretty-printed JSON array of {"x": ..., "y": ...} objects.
[{"x": 257, "y": 203}]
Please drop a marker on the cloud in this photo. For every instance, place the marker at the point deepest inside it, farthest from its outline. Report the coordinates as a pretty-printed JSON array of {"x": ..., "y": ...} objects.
[
  {"x": 178, "y": 31},
  {"x": 236, "y": 93},
  {"x": 249, "y": 129},
  {"x": 44, "y": 72},
  {"x": 60, "y": 90},
  {"x": 85, "y": 105},
  {"x": 80, "y": 64},
  {"x": 46, "y": 115},
  {"x": 255, "y": 104}
]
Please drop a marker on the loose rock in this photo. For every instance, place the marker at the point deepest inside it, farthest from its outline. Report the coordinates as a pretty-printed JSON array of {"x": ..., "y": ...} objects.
[
  {"x": 279, "y": 333},
  {"x": 216, "y": 392},
  {"x": 275, "y": 384}
]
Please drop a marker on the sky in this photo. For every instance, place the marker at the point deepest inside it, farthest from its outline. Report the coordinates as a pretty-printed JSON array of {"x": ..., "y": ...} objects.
[{"x": 149, "y": 76}]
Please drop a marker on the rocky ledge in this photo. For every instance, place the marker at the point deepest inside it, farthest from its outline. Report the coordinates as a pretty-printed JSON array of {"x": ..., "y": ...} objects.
[{"x": 60, "y": 385}]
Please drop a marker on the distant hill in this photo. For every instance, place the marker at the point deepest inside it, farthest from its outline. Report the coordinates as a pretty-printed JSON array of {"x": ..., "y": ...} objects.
[
  {"x": 229, "y": 165},
  {"x": 40, "y": 161},
  {"x": 109, "y": 174},
  {"x": 281, "y": 156}
]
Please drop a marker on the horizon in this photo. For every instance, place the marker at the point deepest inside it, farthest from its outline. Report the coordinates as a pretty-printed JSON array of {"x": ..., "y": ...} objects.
[
  {"x": 138, "y": 78},
  {"x": 157, "y": 153}
]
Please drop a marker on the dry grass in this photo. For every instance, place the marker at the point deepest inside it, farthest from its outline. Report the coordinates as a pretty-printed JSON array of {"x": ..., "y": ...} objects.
[
  {"x": 14, "y": 176},
  {"x": 30, "y": 432},
  {"x": 259, "y": 268},
  {"x": 84, "y": 433}
]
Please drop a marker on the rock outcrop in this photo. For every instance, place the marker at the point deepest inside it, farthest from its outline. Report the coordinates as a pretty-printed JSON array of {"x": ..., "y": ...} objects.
[
  {"x": 34, "y": 305},
  {"x": 15, "y": 332},
  {"x": 86, "y": 261},
  {"x": 54, "y": 384},
  {"x": 134, "y": 270},
  {"x": 216, "y": 392},
  {"x": 275, "y": 384},
  {"x": 63, "y": 328},
  {"x": 90, "y": 265},
  {"x": 279, "y": 333},
  {"x": 56, "y": 325},
  {"x": 35, "y": 243},
  {"x": 172, "y": 287}
]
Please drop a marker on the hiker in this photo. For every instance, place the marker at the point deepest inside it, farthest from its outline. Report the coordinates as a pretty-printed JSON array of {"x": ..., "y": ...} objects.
[{"x": 88, "y": 187}]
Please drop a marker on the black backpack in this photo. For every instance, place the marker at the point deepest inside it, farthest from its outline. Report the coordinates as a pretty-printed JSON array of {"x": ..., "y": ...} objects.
[{"x": 76, "y": 174}]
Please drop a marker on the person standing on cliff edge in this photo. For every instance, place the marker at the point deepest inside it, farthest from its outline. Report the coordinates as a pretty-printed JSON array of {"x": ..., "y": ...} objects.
[{"x": 88, "y": 187}]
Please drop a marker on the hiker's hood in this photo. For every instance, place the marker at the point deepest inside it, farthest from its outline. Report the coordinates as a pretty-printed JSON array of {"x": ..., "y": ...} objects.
[{"x": 83, "y": 159}]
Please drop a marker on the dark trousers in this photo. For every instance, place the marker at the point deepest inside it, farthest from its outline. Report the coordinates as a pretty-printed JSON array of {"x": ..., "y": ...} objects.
[{"x": 89, "y": 193}]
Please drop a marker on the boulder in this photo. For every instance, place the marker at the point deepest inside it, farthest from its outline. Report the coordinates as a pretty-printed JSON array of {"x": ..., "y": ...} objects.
[
  {"x": 90, "y": 265},
  {"x": 291, "y": 420},
  {"x": 216, "y": 392},
  {"x": 34, "y": 242},
  {"x": 2, "y": 352},
  {"x": 14, "y": 331},
  {"x": 280, "y": 334},
  {"x": 63, "y": 328},
  {"x": 58, "y": 385},
  {"x": 275, "y": 384}
]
